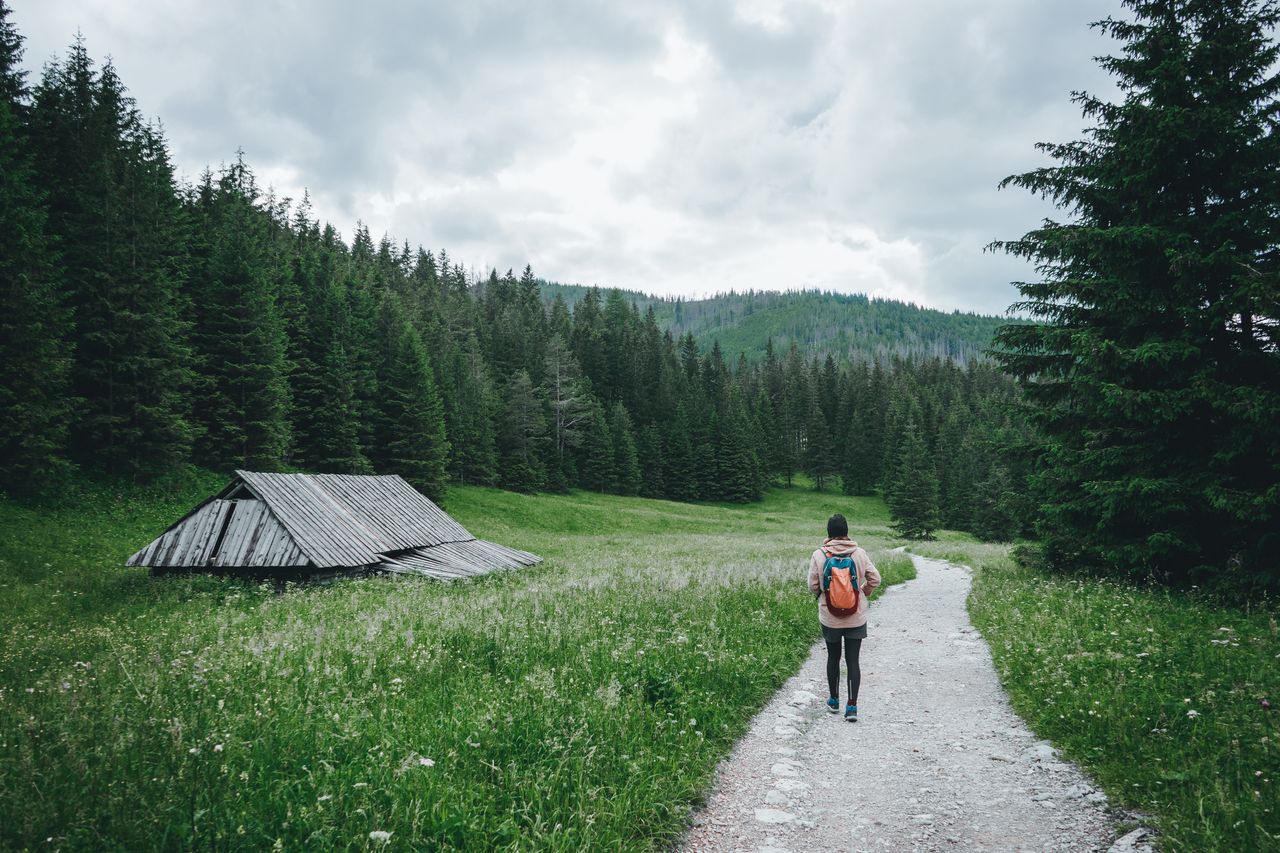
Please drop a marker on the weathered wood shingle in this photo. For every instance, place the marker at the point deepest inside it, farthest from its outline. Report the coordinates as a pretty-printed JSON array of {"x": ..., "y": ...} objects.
[{"x": 325, "y": 521}]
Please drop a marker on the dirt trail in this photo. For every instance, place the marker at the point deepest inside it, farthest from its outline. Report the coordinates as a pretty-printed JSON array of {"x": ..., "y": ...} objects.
[{"x": 938, "y": 760}]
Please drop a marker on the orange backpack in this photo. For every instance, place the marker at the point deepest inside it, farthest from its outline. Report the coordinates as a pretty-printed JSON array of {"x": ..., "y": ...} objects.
[{"x": 840, "y": 583}]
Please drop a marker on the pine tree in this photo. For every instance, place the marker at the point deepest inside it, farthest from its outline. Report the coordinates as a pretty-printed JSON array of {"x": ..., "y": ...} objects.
[
  {"x": 35, "y": 322},
  {"x": 994, "y": 508},
  {"x": 470, "y": 415},
  {"x": 738, "y": 476},
  {"x": 524, "y": 429},
  {"x": 243, "y": 404},
  {"x": 113, "y": 207},
  {"x": 409, "y": 431},
  {"x": 677, "y": 473},
  {"x": 819, "y": 461},
  {"x": 596, "y": 459},
  {"x": 333, "y": 442},
  {"x": 626, "y": 461},
  {"x": 570, "y": 409},
  {"x": 1155, "y": 372},
  {"x": 653, "y": 462},
  {"x": 912, "y": 494}
]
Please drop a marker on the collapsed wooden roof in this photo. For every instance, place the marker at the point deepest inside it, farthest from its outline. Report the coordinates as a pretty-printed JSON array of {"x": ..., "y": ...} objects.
[{"x": 325, "y": 521}]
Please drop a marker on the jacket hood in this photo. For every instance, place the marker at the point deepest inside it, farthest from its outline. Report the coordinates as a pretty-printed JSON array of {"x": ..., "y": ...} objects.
[{"x": 840, "y": 547}]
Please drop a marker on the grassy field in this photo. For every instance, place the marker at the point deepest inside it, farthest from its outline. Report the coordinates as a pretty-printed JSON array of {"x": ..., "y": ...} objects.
[
  {"x": 582, "y": 703},
  {"x": 1168, "y": 701}
]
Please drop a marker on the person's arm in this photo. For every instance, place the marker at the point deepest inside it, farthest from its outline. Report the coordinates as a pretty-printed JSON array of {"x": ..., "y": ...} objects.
[
  {"x": 815, "y": 574},
  {"x": 871, "y": 576}
]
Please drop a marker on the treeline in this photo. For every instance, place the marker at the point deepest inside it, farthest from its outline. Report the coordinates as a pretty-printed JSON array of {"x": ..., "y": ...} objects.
[
  {"x": 851, "y": 327},
  {"x": 150, "y": 325}
]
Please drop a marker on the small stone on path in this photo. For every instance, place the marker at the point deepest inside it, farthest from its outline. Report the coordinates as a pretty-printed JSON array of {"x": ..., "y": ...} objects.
[{"x": 1133, "y": 842}]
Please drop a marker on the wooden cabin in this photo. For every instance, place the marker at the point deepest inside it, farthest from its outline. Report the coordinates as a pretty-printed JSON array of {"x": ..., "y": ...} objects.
[{"x": 317, "y": 525}]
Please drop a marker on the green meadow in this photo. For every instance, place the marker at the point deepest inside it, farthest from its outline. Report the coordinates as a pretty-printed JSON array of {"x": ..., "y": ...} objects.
[
  {"x": 1167, "y": 699},
  {"x": 583, "y": 703}
]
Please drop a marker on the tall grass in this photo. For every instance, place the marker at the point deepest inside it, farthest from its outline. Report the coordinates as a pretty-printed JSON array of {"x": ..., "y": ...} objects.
[
  {"x": 1162, "y": 697},
  {"x": 582, "y": 703}
]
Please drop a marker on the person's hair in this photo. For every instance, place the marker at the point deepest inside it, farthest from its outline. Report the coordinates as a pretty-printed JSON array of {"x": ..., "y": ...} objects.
[{"x": 837, "y": 527}]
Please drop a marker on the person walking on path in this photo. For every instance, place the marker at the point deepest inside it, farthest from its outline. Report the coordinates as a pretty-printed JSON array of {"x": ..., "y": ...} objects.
[{"x": 843, "y": 577}]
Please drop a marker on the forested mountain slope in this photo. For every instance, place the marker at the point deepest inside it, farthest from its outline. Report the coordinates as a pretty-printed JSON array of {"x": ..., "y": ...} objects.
[{"x": 849, "y": 327}]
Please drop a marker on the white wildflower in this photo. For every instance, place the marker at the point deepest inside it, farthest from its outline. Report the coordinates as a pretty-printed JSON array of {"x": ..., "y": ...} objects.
[
  {"x": 426, "y": 762},
  {"x": 195, "y": 750},
  {"x": 217, "y": 747},
  {"x": 380, "y": 836},
  {"x": 1193, "y": 713}
]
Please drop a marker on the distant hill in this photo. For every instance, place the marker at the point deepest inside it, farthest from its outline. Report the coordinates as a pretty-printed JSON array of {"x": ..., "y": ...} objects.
[{"x": 851, "y": 327}]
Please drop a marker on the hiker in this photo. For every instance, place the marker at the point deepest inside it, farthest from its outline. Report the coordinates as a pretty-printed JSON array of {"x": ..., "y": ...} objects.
[{"x": 843, "y": 577}]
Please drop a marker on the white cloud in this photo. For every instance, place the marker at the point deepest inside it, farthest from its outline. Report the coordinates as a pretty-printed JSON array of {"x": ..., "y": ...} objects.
[{"x": 669, "y": 147}]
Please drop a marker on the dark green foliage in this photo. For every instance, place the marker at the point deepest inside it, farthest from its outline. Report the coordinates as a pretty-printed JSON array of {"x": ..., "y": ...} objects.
[
  {"x": 597, "y": 465},
  {"x": 1156, "y": 373},
  {"x": 35, "y": 324},
  {"x": 471, "y": 413},
  {"x": 409, "y": 433},
  {"x": 913, "y": 493},
  {"x": 569, "y": 404},
  {"x": 820, "y": 459},
  {"x": 649, "y": 449},
  {"x": 626, "y": 461},
  {"x": 851, "y": 327},
  {"x": 243, "y": 399},
  {"x": 334, "y": 436},
  {"x": 677, "y": 471},
  {"x": 524, "y": 430},
  {"x": 113, "y": 208},
  {"x": 994, "y": 514},
  {"x": 739, "y": 477}
]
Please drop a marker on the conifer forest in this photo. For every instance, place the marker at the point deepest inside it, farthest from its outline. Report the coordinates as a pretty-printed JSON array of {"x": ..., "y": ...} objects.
[
  {"x": 159, "y": 324},
  {"x": 1124, "y": 414}
]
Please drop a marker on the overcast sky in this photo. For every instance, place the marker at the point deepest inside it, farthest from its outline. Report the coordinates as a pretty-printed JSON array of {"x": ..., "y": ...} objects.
[{"x": 675, "y": 148}]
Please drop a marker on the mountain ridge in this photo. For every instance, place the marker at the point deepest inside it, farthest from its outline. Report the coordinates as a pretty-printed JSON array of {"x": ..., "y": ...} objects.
[{"x": 849, "y": 327}]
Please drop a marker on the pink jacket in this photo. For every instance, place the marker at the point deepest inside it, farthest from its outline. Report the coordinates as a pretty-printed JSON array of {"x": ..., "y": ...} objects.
[{"x": 868, "y": 579}]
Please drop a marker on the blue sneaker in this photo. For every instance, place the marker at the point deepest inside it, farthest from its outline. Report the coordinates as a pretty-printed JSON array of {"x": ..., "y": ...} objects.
[
  {"x": 850, "y": 713},
  {"x": 833, "y": 705}
]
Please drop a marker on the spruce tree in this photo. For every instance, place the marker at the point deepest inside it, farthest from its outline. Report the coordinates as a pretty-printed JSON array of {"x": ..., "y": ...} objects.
[
  {"x": 626, "y": 460},
  {"x": 570, "y": 408},
  {"x": 653, "y": 462},
  {"x": 113, "y": 207},
  {"x": 35, "y": 322},
  {"x": 596, "y": 460},
  {"x": 1155, "y": 370},
  {"x": 818, "y": 451},
  {"x": 471, "y": 413},
  {"x": 243, "y": 404},
  {"x": 677, "y": 473},
  {"x": 524, "y": 430},
  {"x": 994, "y": 515},
  {"x": 738, "y": 468},
  {"x": 912, "y": 494},
  {"x": 409, "y": 432},
  {"x": 333, "y": 441}
]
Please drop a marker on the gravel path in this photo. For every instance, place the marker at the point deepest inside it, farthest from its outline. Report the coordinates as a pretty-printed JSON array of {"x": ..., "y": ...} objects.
[{"x": 938, "y": 760}]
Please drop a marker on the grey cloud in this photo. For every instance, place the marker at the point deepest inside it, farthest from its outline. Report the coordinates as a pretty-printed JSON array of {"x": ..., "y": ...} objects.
[{"x": 440, "y": 123}]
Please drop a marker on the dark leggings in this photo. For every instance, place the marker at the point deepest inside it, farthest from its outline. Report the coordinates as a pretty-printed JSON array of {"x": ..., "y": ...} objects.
[{"x": 851, "y": 649}]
